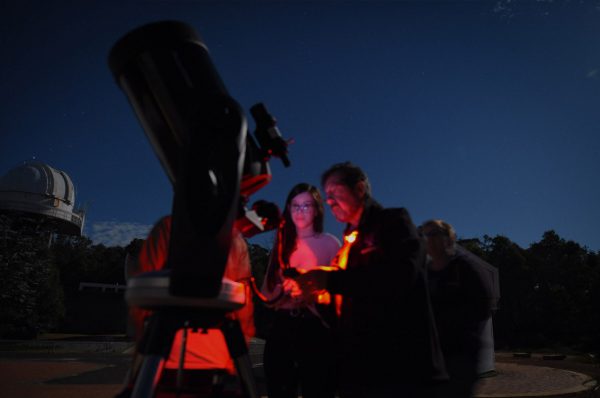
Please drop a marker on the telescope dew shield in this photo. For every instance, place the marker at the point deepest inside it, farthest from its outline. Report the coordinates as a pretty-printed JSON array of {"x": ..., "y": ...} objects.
[{"x": 198, "y": 132}]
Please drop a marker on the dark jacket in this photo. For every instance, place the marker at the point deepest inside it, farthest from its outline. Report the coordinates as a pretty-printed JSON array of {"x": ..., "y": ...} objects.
[
  {"x": 386, "y": 312},
  {"x": 462, "y": 301}
]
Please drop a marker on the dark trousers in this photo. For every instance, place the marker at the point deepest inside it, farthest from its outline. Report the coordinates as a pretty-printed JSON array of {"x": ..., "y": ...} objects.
[
  {"x": 368, "y": 385},
  {"x": 462, "y": 370},
  {"x": 299, "y": 354},
  {"x": 376, "y": 373}
]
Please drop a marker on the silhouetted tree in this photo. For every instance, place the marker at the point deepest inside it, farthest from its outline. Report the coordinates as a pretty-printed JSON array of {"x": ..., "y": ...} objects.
[
  {"x": 565, "y": 279},
  {"x": 73, "y": 258},
  {"x": 30, "y": 290},
  {"x": 550, "y": 292},
  {"x": 593, "y": 316},
  {"x": 474, "y": 245}
]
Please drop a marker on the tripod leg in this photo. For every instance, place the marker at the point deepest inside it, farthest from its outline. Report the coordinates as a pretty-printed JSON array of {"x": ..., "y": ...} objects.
[
  {"x": 182, "y": 356},
  {"x": 244, "y": 369},
  {"x": 239, "y": 353},
  {"x": 154, "y": 348},
  {"x": 148, "y": 376}
]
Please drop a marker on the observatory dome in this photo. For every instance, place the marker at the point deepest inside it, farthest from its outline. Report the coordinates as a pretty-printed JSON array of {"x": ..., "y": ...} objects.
[{"x": 37, "y": 189}]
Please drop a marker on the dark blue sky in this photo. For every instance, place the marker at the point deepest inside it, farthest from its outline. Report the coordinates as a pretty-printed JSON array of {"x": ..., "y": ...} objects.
[{"x": 485, "y": 114}]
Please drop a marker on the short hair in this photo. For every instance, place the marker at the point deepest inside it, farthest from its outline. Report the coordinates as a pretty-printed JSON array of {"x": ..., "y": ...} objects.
[
  {"x": 441, "y": 228},
  {"x": 349, "y": 174}
]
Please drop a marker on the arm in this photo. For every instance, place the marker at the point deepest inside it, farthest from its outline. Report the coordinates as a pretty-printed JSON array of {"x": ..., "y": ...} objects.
[
  {"x": 272, "y": 287},
  {"x": 478, "y": 292},
  {"x": 238, "y": 268},
  {"x": 390, "y": 265},
  {"x": 152, "y": 257}
]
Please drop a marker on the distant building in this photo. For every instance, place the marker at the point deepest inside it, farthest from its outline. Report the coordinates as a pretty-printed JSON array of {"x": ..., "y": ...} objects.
[{"x": 39, "y": 191}]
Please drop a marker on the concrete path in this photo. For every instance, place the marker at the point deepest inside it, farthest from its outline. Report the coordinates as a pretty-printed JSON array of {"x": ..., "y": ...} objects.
[
  {"x": 57, "y": 372},
  {"x": 514, "y": 380},
  {"x": 41, "y": 379}
]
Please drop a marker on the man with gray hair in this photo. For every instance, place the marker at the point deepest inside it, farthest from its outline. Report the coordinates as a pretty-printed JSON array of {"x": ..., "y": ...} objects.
[
  {"x": 462, "y": 300},
  {"x": 387, "y": 344}
]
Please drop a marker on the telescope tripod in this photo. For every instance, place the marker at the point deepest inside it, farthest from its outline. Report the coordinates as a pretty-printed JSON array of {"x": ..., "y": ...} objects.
[{"x": 191, "y": 313}]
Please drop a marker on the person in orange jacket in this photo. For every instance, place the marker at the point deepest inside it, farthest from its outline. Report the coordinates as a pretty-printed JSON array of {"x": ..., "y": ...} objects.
[{"x": 207, "y": 362}]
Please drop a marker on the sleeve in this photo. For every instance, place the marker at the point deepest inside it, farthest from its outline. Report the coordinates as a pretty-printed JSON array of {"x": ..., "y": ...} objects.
[
  {"x": 238, "y": 268},
  {"x": 152, "y": 257},
  {"x": 154, "y": 251},
  {"x": 271, "y": 287},
  {"x": 477, "y": 290},
  {"x": 392, "y": 264}
]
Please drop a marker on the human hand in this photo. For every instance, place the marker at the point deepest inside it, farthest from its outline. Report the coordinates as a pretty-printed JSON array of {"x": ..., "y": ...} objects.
[
  {"x": 312, "y": 282},
  {"x": 291, "y": 288}
]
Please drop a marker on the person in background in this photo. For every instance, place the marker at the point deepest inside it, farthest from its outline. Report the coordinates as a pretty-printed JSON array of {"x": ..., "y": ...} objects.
[
  {"x": 299, "y": 347},
  {"x": 388, "y": 344},
  {"x": 207, "y": 364},
  {"x": 462, "y": 303}
]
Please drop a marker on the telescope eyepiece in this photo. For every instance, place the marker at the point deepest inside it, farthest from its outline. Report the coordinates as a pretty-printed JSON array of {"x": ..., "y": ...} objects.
[{"x": 268, "y": 135}]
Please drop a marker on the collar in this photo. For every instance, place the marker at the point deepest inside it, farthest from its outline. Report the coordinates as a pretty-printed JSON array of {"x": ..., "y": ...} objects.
[{"x": 370, "y": 207}]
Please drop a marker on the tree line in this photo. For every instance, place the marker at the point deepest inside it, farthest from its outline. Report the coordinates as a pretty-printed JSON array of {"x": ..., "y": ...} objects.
[{"x": 550, "y": 291}]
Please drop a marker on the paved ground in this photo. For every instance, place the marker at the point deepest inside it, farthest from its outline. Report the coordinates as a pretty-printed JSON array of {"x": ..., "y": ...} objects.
[
  {"x": 57, "y": 369},
  {"x": 517, "y": 380},
  {"x": 540, "y": 377}
]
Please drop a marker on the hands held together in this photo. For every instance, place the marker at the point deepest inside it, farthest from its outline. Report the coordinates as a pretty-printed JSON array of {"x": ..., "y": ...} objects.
[{"x": 311, "y": 284}]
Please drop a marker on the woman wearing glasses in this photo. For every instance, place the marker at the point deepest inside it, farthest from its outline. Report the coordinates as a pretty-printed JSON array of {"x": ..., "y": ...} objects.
[{"x": 299, "y": 347}]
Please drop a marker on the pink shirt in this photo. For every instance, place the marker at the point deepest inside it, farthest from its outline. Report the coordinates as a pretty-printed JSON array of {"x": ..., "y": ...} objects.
[{"x": 317, "y": 250}]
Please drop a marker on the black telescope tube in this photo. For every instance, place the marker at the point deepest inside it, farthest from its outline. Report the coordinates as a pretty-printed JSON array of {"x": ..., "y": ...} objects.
[{"x": 198, "y": 132}]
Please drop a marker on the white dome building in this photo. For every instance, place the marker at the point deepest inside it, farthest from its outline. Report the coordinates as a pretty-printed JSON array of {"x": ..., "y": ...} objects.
[{"x": 39, "y": 190}]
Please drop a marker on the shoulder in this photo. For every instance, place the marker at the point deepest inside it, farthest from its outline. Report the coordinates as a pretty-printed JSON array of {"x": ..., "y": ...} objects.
[
  {"x": 153, "y": 253},
  {"x": 467, "y": 262},
  {"x": 163, "y": 224},
  {"x": 476, "y": 273},
  {"x": 160, "y": 232},
  {"x": 396, "y": 219},
  {"x": 395, "y": 213},
  {"x": 330, "y": 239},
  {"x": 468, "y": 265}
]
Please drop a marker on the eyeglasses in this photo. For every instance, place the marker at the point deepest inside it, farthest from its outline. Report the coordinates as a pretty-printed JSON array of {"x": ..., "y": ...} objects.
[{"x": 303, "y": 208}]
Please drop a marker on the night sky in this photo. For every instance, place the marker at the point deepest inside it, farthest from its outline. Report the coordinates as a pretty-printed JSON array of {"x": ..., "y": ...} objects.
[{"x": 484, "y": 114}]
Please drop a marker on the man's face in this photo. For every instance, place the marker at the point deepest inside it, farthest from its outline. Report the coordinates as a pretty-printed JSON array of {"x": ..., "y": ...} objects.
[
  {"x": 346, "y": 204},
  {"x": 436, "y": 243}
]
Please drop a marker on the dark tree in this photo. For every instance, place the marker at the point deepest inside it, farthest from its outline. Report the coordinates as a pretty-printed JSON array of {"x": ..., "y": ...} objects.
[
  {"x": 565, "y": 284},
  {"x": 31, "y": 296}
]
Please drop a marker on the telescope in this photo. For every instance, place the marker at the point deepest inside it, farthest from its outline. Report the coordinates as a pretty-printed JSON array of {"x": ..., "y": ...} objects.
[{"x": 200, "y": 136}]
